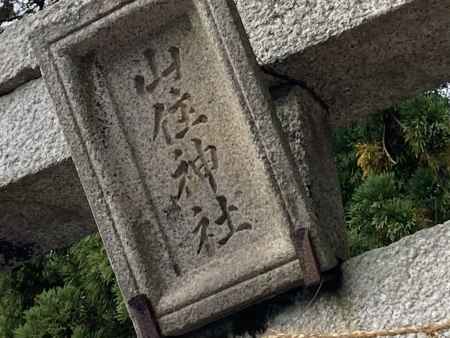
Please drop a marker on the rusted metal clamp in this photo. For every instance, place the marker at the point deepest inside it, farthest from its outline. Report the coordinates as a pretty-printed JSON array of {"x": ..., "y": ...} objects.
[
  {"x": 141, "y": 311},
  {"x": 307, "y": 257}
]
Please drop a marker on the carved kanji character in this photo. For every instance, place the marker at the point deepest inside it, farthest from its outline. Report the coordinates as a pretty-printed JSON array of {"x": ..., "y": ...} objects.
[
  {"x": 174, "y": 67},
  {"x": 226, "y": 217},
  {"x": 160, "y": 122},
  {"x": 202, "y": 228},
  {"x": 180, "y": 174},
  {"x": 201, "y": 166},
  {"x": 183, "y": 110}
]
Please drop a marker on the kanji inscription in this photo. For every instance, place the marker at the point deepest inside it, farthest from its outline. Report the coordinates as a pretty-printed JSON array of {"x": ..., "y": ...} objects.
[
  {"x": 186, "y": 167},
  {"x": 176, "y": 121}
]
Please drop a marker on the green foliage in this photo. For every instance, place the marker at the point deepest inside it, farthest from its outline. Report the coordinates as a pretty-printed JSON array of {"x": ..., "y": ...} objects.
[
  {"x": 350, "y": 175},
  {"x": 67, "y": 294},
  {"x": 10, "y": 306},
  {"x": 425, "y": 125},
  {"x": 54, "y": 314},
  {"x": 394, "y": 171},
  {"x": 378, "y": 215}
]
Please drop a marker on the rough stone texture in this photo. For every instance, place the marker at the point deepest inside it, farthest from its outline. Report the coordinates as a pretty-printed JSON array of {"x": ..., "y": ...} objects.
[
  {"x": 42, "y": 212},
  {"x": 191, "y": 181},
  {"x": 343, "y": 48},
  {"x": 360, "y": 56},
  {"x": 359, "y": 63},
  {"x": 279, "y": 29},
  {"x": 390, "y": 54},
  {"x": 304, "y": 124},
  {"x": 42, "y": 204},
  {"x": 403, "y": 284},
  {"x": 18, "y": 64},
  {"x": 31, "y": 138}
]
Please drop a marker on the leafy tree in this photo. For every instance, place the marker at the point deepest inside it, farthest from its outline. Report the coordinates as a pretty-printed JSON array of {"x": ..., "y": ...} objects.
[
  {"x": 394, "y": 171},
  {"x": 71, "y": 293},
  {"x": 378, "y": 215}
]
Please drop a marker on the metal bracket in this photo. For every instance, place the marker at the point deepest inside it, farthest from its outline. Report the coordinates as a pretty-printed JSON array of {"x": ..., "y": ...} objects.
[
  {"x": 307, "y": 257},
  {"x": 145, "y": 321}
]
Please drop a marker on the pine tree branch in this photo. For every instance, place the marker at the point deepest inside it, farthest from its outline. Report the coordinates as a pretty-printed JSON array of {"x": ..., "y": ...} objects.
[{"x": 385, "y": 148}]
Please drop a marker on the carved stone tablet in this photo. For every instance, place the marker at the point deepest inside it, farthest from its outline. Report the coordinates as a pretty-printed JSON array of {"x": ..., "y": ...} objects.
[{"x": 191, "y": 186}]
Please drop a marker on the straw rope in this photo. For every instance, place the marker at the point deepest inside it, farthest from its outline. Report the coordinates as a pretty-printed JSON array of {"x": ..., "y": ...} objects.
[{"x": 429, "y": 329}]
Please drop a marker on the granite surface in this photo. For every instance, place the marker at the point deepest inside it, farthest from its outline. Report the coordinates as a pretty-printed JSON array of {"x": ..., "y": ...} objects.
[
  {"x": 403, "y": 284},
  {"x": 189, "y": 177},
  {"x": 343, "y": 49},
  {"x": 31, "y": 138}
]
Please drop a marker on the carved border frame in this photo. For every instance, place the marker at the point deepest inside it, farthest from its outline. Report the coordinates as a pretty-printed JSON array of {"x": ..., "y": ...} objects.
[{"x": 253, "y": 98}]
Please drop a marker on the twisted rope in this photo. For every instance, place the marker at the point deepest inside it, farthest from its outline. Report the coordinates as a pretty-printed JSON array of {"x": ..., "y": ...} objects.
[{"x": 430, "y": 330}]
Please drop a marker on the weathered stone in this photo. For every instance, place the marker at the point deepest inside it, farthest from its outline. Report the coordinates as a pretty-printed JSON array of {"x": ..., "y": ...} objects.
[
  {"x": 31, "y": 139},
  {"x": 343, "y": 48},
  {"x": 42, "y": 212},
  {"x": 357, "y": 63},
  {"x": 42, "y": 204},
  {"x": 193, "y": 188},
  {"x": 279, "y": 29},
  {"x": 403, "y": 284},
  {"x": 372, "y": 55},
  {"x": 304, "y": 124},
  {"x": 334, "y": 62},
  {"x": 336, "y": 58},
  {"x": 265, "y": 23},
  {"x": 18, "y": 64}
]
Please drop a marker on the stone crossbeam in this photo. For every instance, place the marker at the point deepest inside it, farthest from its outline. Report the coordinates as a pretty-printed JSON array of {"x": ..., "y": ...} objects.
[{"x": 358, "y": 56}]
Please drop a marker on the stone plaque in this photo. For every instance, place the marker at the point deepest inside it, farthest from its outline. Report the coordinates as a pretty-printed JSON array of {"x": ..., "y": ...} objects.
[{"x": 190, "y": 183}]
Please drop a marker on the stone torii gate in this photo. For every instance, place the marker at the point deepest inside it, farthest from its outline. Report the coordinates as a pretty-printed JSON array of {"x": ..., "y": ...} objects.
[{"x": 357, "y": 57}]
